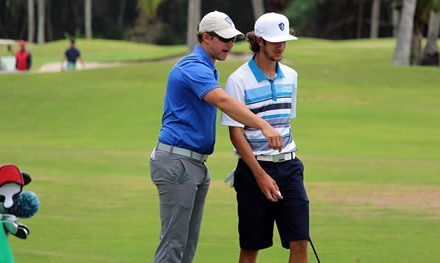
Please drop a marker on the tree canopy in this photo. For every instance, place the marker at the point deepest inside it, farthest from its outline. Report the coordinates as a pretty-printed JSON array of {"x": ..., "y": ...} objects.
[{"x": 165, "y": 21}]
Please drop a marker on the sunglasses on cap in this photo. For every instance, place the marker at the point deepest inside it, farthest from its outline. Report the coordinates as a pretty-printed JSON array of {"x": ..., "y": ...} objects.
[{"x": 222, "y": 39}]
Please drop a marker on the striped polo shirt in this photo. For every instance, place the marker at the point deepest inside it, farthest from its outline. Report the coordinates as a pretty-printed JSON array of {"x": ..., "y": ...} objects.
[{"x": 274, "y": 100}]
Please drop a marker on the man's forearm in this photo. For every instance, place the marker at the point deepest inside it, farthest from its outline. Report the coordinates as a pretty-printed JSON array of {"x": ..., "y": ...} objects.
[
  {"x": 235, "y": 109},
  {"x": 245, "y": 151},
  {"x": 267, "y": 185},
  {"x": 242, "y": 114}
]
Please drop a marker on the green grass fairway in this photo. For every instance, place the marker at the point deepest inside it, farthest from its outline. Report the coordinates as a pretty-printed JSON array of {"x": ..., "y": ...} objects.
[
  {"x": 368, "y": 133},
  {"x": 98, "y": 50}
]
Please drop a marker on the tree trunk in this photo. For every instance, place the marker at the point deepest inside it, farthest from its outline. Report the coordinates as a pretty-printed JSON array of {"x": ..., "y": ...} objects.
[
  {"x": 31, "y": 21},
  {"x": 395, "y": 13},
  {"x": 193, "y": 21},
  {"x": 416, "y": 43},
  {"x": 258, "y": 8},
  {"x": 41, "y": 17},
  {"x": 375, "y": 19},
  {"x": 88, "y": 18},
  {"x": 430, "y": 55},
  {"x": 277, "y": 6},
  {"x": 360, "y": 19},
  {"x": 120, "y": 21},
  {"x": 404, "y": 34},
  {"x": 433, "y": 31},
  {"x": 49, "y": 24}
]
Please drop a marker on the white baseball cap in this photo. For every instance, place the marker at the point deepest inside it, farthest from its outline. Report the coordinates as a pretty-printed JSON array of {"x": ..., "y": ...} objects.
[
  {"x": 273, "y": 27},
  {"x": 220, "y": 23}
]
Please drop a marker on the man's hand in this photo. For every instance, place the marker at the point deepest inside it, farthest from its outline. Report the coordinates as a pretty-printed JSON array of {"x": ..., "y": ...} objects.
[
  {"x": 273, "y": 137},
  {"x": 269, "y": 187}
]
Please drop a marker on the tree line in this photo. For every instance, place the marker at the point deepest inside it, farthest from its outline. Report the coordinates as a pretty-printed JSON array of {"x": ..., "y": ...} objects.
[{"x": 175, "y": 21}]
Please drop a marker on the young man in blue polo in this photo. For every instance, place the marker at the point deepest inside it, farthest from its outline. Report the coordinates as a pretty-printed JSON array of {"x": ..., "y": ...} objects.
[
  {"x": 187, "y": 137},
  {"x": 268, "y": 88},
  {"x": 72, "y": 54}
]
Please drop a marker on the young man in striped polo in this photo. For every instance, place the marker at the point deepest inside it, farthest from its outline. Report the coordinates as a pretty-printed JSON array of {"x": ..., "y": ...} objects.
[{"x": 268, "y": 88}]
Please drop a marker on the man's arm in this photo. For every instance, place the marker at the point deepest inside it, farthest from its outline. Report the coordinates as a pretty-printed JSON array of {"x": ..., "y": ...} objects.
[
  {"x": 267, "y": 185},
  {"x": 234, "y": 108},
  {"x": 29, "y": 61},
  {"x": 62, "y": 62},
  {"x": 82, "y": 62}
]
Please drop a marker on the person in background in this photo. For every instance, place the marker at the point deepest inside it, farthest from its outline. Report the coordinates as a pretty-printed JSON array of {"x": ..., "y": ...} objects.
[
  {"x": 187, "y": 137},
  {"x": 72, "y": 54},
  {"x": 268, "y": 88},
  {"x": 23, "y": 58}
]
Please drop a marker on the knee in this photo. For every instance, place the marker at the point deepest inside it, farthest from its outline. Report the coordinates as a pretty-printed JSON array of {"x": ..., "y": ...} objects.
[
  {"x": 298, "y": 246},
  {"x": 248, "y": 256}
]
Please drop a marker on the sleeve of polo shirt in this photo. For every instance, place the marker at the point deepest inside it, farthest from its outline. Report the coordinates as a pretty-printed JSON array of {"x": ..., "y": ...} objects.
[
  {"x": 233, "y": 89},
  {"x": 200, "y": 79}
]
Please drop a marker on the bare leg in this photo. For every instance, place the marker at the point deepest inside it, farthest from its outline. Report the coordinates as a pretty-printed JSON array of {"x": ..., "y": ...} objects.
[
  {"x": 248, "y": 256},
  {"x": 298, "y": 252}
]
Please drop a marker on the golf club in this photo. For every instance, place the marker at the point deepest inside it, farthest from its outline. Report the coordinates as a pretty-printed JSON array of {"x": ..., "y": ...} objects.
[{"x": 314, "y": 250}]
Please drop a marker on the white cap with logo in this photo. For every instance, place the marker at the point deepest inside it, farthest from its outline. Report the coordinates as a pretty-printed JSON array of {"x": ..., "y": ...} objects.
[
  {"x": 273, "y": 27},
  {"x": 220, "y": 23}
]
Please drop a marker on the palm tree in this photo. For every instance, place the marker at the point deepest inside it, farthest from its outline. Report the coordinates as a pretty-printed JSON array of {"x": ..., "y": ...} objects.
[
  {"x": 433, "y": 30},
  {"x": 120, "y": 19},
  {"x": 375, "y": 19},
  {"x": 148, "y": 7},
  {"x": 147, "y": 14},
  {"x": 404, "y": 34},
  {"x": 431, "y": 52},
  {"x": 88, "y": 18},
  {"x": 193, "y": 21},
  {"x": 395, "y": 11},
  {"x": 31, "y": 21},
  {"x": 41, "y": 19},
  {"x": 422, "y": 16},
  {"x": 258, "y": 8}
]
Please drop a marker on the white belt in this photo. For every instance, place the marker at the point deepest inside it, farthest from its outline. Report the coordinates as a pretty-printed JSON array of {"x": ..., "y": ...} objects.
[
  {"x": 181, "y": 151},
  {"x": 276, "y": 158}
]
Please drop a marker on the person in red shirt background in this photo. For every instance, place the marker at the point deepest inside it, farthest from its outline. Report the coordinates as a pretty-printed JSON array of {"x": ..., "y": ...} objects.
[{"x": 23, "y": 59}]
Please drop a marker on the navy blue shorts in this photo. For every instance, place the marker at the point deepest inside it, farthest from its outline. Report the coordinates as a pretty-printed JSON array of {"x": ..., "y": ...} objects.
[{"x": 256, "y": 214}]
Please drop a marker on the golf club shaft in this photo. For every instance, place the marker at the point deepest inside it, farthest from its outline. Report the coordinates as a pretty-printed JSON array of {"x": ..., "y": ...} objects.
[{"x": 314, "y": 250}]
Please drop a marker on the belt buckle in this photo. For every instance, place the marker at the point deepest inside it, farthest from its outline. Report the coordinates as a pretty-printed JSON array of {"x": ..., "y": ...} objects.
[
  {"x": 279, "y": 158},
  {"x": 197, "y": 156}
]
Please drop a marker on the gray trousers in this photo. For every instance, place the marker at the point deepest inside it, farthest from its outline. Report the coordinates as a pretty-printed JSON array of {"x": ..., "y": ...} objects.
[{"x": 182, "y": 184}]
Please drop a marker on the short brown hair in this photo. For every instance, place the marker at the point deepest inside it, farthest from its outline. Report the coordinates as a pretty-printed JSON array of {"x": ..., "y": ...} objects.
[
  {"x": 200, "y": 37},
  {"x": 253, "y": 44}
]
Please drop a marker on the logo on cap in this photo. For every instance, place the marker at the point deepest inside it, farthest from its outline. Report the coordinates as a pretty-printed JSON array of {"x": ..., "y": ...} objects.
[
  {"x": 281, "y": 26},
  {"x": 227, "y": 19}
]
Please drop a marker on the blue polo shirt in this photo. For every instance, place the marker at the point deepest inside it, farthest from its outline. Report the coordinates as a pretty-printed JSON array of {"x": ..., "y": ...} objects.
[
  {"x": 189, "y": 121},
  {"x": 72, "y": 54}
]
